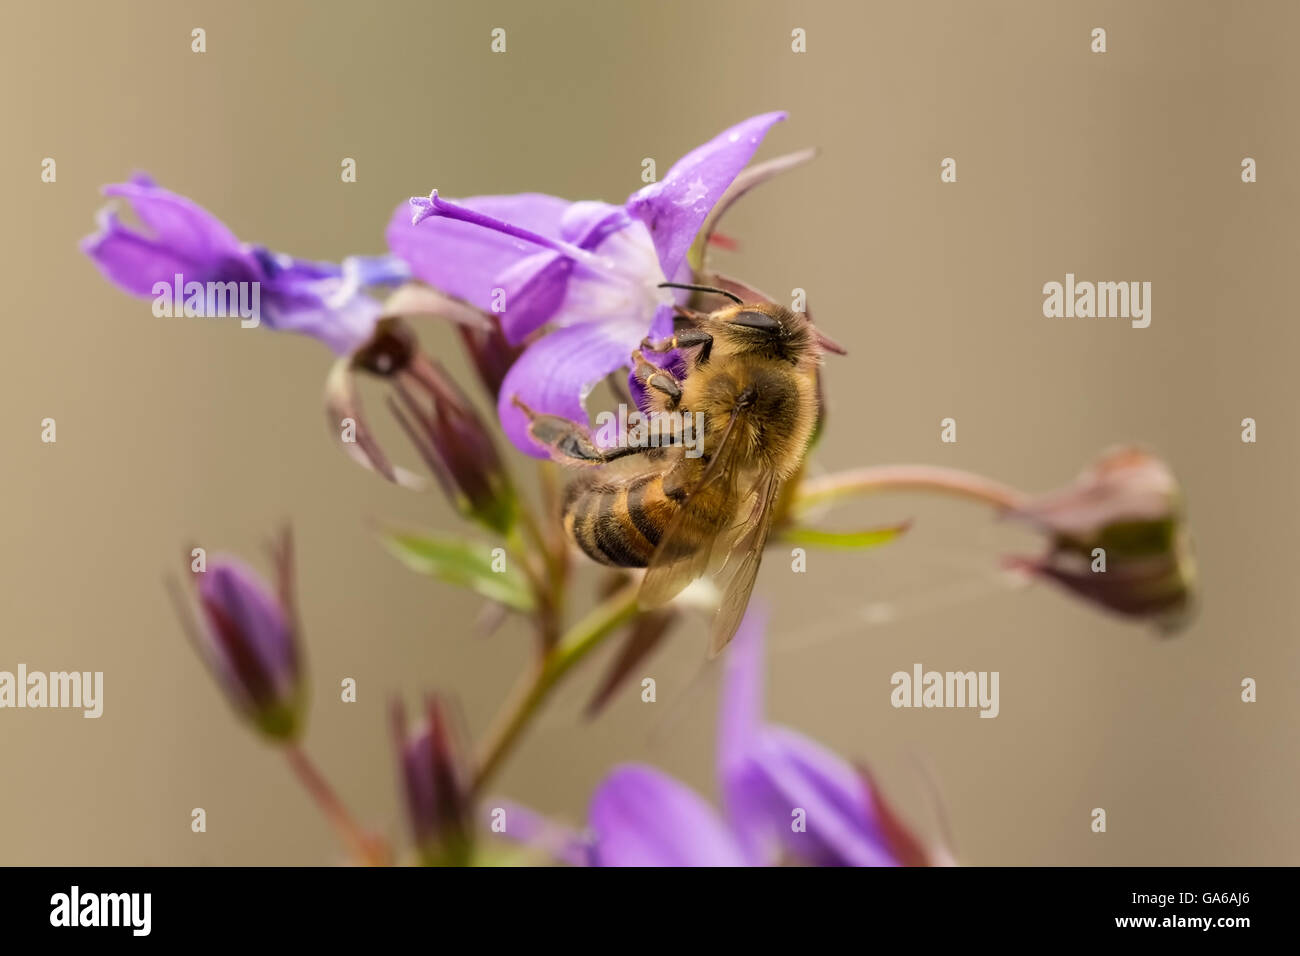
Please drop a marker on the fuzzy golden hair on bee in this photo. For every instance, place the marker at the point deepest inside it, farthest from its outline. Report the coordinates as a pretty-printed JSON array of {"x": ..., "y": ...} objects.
[
  {"x": 690, "y": 509},
  {"x": 763, "y": 331}
]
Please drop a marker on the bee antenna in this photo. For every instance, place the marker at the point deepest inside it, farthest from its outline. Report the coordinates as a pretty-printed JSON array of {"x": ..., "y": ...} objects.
[{"x": 702, "y": 288}]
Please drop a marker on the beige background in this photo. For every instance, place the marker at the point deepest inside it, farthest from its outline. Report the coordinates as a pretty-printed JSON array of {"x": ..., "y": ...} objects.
[{"x": 1122, "y": 166}]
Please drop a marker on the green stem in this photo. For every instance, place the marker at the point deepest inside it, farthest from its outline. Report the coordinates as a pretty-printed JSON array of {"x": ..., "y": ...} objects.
[
  {"x": 533, "y": 532},
  {"x": 951, "y": 481},
  {"x": 545, "y": 613},
  {"x": 584, "y": 637}
]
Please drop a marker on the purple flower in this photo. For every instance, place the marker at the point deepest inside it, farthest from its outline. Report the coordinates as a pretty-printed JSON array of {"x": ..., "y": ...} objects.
[
  {"x": 323, "y": 300},
  {"x": 787, "y": 798},
  {"x": 642, "y": 817},
  {"x": 248, "y": 636},
  {"x": 587, "y": 273},
  {"x": 435, "y": 785}
]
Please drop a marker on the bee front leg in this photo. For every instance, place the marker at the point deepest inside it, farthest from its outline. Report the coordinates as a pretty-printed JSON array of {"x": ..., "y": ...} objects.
[
  {"x": 689, "y": 338},
  {"x": 685, "y": 339},
  {"x": 661, "y": 345},
  {"x": 665, "y": 391},
  {"x": 568, "y": 442}
]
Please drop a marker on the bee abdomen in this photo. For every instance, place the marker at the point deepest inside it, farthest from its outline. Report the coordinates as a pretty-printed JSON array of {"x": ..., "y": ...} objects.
[{"x": 619, "y": 524}]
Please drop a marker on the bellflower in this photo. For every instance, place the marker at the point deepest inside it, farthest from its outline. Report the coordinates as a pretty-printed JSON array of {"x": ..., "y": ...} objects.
[
  {"x": 787, "y": 798},
  {"x": 181, "y": 238},
  {"x": 585, "y": 275}
]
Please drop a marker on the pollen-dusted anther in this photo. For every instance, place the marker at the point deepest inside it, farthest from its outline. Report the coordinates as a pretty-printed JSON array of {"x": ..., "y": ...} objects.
[
  {"x": 436, "y": 785},
  {"x": 436, "y": 416},
  {"x": 1118, "y": 539}
]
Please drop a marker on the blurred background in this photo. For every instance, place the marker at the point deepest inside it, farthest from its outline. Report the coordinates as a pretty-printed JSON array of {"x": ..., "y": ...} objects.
[{"x": 1122, "y": 166}]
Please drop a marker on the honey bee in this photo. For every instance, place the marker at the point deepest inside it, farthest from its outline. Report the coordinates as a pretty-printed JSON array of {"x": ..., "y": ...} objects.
[{"x": 750, "y": 382}]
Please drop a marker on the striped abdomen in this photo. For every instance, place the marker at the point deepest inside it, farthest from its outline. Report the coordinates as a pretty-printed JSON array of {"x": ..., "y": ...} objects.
[
  {"x": 619, "y": 517},
  {"x": 618, "y": 521}
]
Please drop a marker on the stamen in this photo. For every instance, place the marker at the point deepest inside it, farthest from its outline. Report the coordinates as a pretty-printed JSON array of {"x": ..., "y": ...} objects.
[{"x": 435, "y": 205}]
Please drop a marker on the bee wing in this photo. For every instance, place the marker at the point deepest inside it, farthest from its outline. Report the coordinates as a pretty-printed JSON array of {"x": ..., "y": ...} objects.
[
  {"x": 691, "y": 536},
  {"x": 740, "y": 575}
]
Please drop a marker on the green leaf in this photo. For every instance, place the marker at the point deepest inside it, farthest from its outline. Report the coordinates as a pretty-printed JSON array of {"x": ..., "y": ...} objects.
[
  {"x": 845, "y": 540},
  {"x": 461, "y": 562}
]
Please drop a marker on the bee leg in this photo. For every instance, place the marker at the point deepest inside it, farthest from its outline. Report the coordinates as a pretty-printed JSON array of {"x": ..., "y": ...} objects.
[
  {"x": 689, "y": 338},
  {"x": 685, "y": 339},
  {"x": 658, "y": 380},
  {"x": 662, "y": 345},
  {"x": 568, "y": 442}
]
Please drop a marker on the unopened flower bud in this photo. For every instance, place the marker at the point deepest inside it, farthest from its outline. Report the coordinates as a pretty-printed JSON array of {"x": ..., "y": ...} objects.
[
  {"x": 436, "y": 786},
  {"x": 490, "y": 352},
  {"x": 436, "y": 415},
  {"x": 247, "y": 634},
  {"x": 1118, "y": 539}
]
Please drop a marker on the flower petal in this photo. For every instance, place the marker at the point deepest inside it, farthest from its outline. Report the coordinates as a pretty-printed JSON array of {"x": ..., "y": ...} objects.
[
  {"x": 526, "y": 826},
  {"x": 742, "y": 689},
  {"x": 465, "y": 260},
  {"x": 783, "y": 772},
  {"x": 767, "y": 773},
  {"x": 534, "y": 289},
  {"x": 361, "y": 272},
  {"x": 201, "y": 242},
  {"x": 555, "y": 374},
  {"x": 675, "y": 208},
  {"x": 135, "y": 262},
  {"x": 642, "y": 817},
  {"x": 536, "y": 286},
  {"x": 319, "y": 299},
  {"x": 343, "y": 327}
]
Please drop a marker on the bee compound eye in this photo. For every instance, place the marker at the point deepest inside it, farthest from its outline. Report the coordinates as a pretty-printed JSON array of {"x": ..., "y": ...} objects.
[{"x": 760, "y": 321}]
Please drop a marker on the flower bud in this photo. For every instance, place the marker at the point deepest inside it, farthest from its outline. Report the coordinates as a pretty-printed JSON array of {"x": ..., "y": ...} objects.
[
  {"x": 1118, "y": 539},
  {"x": 248, "y": 636},
  {"x": 490, "y": 352},
  {"x": 436, "y": 415},
  {"x": 436, "y": 786}
]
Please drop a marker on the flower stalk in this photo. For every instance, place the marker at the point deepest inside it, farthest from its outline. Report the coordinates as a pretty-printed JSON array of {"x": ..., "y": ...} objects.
[
  {"x": 827, "y": 489},
  {"x": 366, "y": 848},
  {"x": 580, "y": 640}
]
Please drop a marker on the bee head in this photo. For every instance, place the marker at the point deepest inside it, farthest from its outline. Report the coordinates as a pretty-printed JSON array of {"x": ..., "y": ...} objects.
[
  {"x": 758, "y": 329},
  {"x": 762, "y": 329}
]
